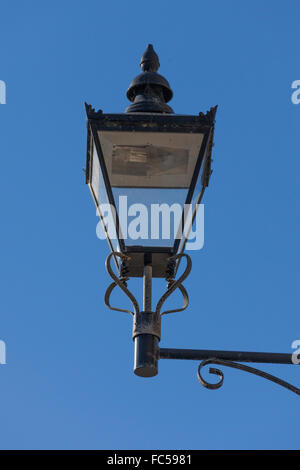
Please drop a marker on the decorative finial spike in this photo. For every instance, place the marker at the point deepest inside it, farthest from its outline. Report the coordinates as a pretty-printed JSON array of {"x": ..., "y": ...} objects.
[
  {"x": 149, "y": 92},
  {"x": 149, "y": 61}
]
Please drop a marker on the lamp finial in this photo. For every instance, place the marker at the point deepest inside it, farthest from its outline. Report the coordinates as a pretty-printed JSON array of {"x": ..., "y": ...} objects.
[
  {"x": 149, "y": 92},
  {"x": 149, "y": 61}
]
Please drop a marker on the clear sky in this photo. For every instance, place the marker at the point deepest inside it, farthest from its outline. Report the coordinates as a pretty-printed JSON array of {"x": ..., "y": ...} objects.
[{"x": 68, "y": 382}]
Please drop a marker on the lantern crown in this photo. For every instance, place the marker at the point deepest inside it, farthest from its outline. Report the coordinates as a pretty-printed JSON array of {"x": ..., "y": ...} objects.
[{"x": 149, "y": 91}]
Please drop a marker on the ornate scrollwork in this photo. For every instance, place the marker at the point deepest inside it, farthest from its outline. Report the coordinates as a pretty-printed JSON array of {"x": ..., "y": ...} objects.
[
  {"x": 236, "y": 365},
  {"x": 176, "y": 284},
  {"x": 121, "y": 282},
  {"x": 173, "y": 284}
]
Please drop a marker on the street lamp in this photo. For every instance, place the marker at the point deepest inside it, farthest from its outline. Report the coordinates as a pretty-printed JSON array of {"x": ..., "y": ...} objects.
[{"x": 150, "y": 158}]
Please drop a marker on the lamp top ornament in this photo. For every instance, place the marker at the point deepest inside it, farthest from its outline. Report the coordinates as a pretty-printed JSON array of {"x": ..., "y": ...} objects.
[{"x": 149, "y": 92}]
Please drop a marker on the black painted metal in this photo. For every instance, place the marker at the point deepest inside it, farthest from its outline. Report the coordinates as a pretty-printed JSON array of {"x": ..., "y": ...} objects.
[
  {"x": 158, "y": 122},
  {"x": 226, "y": 358},
  {"x": 149, "y": 92},
  {"x": 240, "y": 356},
  {"x": 174, "y": 284},
  {"x": 146, "y": 355},
  {"x": 146, "y": 329},
  {"x": 121, "y": 282},
  {"x": 234, "y": 365}
]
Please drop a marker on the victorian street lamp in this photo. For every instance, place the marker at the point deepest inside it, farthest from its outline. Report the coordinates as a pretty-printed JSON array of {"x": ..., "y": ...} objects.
[{"x": 158, "y": 163}]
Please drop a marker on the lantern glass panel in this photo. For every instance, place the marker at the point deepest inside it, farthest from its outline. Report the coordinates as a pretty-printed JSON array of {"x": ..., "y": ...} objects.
[
  {"x": 150, "y": 174},
  {"x": 105, "y": 209},
  {"x": 191, "y": 223}
]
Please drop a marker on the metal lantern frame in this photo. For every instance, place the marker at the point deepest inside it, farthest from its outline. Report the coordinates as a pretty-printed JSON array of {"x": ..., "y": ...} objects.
[{"x": 203, "y": 124}]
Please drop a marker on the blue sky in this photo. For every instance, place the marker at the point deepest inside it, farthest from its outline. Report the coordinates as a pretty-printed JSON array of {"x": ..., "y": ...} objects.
[{"x": 68, "y": 382}]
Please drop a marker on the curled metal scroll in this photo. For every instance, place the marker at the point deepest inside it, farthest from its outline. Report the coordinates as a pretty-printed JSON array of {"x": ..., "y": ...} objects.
[
  {"x": 236, "y": 365},
  {"x": 118, "y": 282},
  {"x": 176, "y": 284}
]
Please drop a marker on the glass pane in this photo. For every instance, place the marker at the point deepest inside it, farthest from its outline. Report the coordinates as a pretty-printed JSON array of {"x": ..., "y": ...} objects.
[
  {"x": 194, "y": 231},
  {"x": 150, "y": 159},
  {"x": 104, "y": 210},
  {"x": 149, "y": 216},
  {"x": 150, "y": 174}
]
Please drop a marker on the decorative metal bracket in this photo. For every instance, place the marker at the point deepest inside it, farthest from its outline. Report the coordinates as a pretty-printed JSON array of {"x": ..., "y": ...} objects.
[
  {"x": 147, "y": 324},
  {"x": 176, "y": 284},
  {"x": 173, "y": 284},
  {"x": 235, "y": 365},
  {"x": 121, "y": 282},
  {"x": 227, "y": 359}
]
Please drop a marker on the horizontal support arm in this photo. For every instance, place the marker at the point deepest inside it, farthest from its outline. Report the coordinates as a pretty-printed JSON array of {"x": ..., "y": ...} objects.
[
  {"x": 239, "y": 356},
  {"x": 231, "y": 359}
]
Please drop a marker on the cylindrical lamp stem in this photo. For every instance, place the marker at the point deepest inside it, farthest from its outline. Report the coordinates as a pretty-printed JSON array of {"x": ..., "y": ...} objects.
[
  {"x": 147, "y": 291},
  {"x": 146, "y": 331}
]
